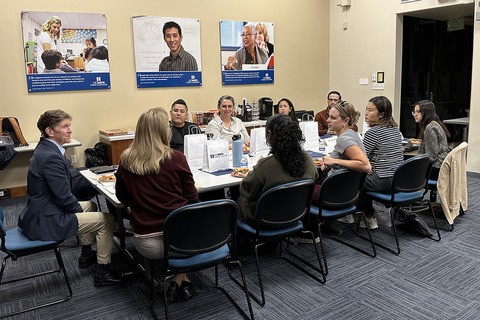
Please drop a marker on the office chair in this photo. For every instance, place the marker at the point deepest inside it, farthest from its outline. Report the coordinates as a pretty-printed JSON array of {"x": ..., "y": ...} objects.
[
  {"x": 196, "y": 237},
  {"x": 408, "y": 186},
  {"x": 15, "y": 245},
  {"x": 338, "y": 198},
  {"x": 278, "y": 215}
]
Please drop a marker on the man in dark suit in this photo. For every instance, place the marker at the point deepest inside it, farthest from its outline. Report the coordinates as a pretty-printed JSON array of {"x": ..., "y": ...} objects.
[{"x": 53, "y": 212}]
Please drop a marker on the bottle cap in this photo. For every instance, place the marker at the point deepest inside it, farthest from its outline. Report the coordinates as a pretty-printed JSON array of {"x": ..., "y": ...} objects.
[{"x": 236, "y": 137}]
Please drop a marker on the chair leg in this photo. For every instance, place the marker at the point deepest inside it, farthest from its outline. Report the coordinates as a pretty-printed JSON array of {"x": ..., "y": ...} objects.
[
  {"x": 243, "y": 285},
  {"x": 61, "y": 266},
  {"x": 439, "y": 237},
  {"x": 372, "y": 254},
  {"x": 381, "y": 245},
  {"x": 318, "y": 269}
]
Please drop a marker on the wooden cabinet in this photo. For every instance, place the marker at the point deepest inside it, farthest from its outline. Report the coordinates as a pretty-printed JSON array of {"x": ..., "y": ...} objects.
[{"x": 115, "y": 146}]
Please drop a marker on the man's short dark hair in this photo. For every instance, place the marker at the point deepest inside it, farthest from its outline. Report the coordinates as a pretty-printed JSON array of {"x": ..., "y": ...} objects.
[
  {"x": 171, "y": 24},
  {"x": 50, "y": 119},
  {"x": 180, "y": 101},
  {"x": 334, "y": 92},
  {"x": 50, "y": 58}
]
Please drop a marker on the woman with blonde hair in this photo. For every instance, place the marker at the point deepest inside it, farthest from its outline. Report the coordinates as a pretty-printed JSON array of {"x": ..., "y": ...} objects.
[
  {"x": 154, "y": 180},
  {"x": 262, "y": 38},
  {"x": 48, "y": 39}
]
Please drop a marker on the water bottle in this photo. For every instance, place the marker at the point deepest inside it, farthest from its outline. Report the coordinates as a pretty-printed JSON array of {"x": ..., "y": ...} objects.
[
  {"x": 244, "y": 162},
  {"x": 237, "y": 151}
]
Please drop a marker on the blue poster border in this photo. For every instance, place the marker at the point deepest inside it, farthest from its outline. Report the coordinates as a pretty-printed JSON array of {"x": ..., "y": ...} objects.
[
  {"x": 169, "y": 79},
  {"x": 235, "y": 77},
  {"x": 47, "y": 82}
]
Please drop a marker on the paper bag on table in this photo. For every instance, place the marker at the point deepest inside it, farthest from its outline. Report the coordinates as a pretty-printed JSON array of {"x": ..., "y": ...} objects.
[
  {"x": 310, "y": 132},
  {"x": 258, "y": 142},
  {"x": 193, "y": 145},
  {"x": 215, "y": 155}
]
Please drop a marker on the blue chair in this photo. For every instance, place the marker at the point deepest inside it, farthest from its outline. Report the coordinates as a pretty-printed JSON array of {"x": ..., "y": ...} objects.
[
  {"x": 338, "y": 198},
  {"x": 408, "y": 186},
  {"x": 278, "y": 215},
  {"x": 15, "y": 245},
  {"x": 196, "y": 237}
]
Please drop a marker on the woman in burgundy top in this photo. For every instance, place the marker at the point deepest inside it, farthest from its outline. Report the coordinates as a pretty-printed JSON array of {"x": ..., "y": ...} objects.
[{"x": 153, "y": 180}]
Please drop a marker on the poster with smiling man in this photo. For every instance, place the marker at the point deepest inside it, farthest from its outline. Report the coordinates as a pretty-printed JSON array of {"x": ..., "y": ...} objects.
[{"x": 167, "y": 51}]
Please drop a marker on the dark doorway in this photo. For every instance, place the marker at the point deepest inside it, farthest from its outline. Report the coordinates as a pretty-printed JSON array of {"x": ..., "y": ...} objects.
[{"x": 436, "y": 65}]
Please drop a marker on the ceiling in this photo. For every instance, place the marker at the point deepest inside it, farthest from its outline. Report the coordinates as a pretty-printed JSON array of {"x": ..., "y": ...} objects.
[
  {"x": 444, "y": 13},
  {"x": 71, "y": 20}
]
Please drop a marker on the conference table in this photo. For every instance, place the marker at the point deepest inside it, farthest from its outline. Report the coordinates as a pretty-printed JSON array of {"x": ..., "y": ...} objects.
[
  {"x": 465, "y": 121},
  {"x": 204, "y": 182}
]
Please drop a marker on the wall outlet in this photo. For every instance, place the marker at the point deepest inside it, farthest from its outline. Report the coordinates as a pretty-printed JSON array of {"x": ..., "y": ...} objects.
[
  {"x": 374, "y": 77},
  {"x": 73, "y": 158}
]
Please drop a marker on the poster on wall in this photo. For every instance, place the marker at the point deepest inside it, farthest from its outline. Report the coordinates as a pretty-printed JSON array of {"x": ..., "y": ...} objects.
[
  {"x": 167, "y": 51},
  {"x": 65, "y": 51},
  {"x": 247, "y": 52}
]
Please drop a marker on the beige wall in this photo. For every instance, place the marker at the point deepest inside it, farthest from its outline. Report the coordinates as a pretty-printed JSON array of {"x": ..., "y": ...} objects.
[
  {"x": 301, "y": 60},
  {"x": 373, "y": 42}
]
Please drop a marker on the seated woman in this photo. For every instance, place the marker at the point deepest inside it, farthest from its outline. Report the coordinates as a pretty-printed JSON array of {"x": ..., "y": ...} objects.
[
  {"x": 226, "y": 125},
  {"x": 383, "y": 145},
  {"x": 153, "y": 180},
  {"x": 433, "y": 134},
  {"x": 285, "y": 106},
  {"x": 349, "y": 151},
  {"x": 287, "y": 162}
]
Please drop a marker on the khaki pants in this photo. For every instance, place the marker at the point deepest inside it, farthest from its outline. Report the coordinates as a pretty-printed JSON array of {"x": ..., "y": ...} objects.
[{"x": 96, "y": 225}]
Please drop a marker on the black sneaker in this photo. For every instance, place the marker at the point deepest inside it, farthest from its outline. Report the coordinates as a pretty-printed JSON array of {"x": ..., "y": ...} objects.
[{"x": 86, "y": 262}]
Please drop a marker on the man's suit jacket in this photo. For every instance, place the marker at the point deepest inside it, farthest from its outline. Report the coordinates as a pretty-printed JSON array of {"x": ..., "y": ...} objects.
[{"x": 51, "y": 206}]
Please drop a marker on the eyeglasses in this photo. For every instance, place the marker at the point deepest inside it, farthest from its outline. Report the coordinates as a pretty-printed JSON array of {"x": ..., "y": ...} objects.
[
  {"x": 415, "y": 112},
  {"x": 243, "y": 35}
]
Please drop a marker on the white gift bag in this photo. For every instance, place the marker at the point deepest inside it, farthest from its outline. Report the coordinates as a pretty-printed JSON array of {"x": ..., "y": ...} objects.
[
  {"x": 193, "y": 145},
  {"x": 215, "y": 156},
  {"x": 258, "y": 142},
  {"x": 310, "y": 132}
]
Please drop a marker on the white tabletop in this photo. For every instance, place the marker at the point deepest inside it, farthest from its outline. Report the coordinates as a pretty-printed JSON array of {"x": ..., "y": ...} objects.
[
  {"x": 463, "y": 121},
  {"x": 32, "y": 145}
]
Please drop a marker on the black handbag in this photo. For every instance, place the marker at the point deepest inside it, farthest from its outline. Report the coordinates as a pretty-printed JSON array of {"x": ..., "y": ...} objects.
[{"x": 7, "y": 150}]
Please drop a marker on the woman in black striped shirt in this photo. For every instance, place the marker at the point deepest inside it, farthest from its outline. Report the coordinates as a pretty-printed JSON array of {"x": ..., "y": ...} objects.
[{"x": 383, "y": 146}]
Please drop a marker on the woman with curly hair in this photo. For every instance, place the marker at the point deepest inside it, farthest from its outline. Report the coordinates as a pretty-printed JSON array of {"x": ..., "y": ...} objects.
[
  {"x": 287, "y": 162},
  {"x": 48, "y": 39}
]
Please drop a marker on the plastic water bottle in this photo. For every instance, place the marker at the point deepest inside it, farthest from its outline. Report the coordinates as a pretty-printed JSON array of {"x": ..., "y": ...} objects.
[
  {"x": 237, "y": 151},
  {"x": 244, "y": 162}
]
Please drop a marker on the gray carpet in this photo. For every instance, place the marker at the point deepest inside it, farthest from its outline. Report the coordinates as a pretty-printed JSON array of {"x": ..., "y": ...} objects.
[{"x": 428, "y": 280}]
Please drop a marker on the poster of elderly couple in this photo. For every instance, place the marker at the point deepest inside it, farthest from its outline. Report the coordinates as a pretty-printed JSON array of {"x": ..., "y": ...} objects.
[{"x": 69, "y": 51}]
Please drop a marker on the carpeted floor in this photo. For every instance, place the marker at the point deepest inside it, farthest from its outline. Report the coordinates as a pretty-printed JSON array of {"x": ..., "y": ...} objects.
[{"x": 428, "y": 280}]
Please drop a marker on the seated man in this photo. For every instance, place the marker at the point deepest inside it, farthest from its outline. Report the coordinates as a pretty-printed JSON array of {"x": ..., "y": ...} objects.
[
  {"x": 53, "y": 212},
  {"x": 180, "y": 126},
  {"x": 321, "y": 117}
]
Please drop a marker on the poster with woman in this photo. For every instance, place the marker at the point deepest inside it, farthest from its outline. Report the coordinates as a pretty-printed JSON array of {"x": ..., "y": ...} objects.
[
  {"x": 65, "y": 51},
  {"x": 247, "y": 52},
  {"x": 167, "y": 51}
]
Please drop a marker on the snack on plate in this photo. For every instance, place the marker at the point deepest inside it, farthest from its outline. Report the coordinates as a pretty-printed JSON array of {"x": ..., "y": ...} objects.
[
  {"x": 107, "y": 178},
  {"x": 246, "y": 149},
  {"x": 240, "y": 172},
  {"x": 415, "y": 141},
  {"x": 317, "y": 162}
]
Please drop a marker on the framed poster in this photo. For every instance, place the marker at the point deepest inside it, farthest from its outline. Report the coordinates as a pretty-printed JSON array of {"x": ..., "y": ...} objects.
[
  {"x": 167, "y": 51},
  {"x": 65, "y": 51},
  {"x": 247, "y": 52}
]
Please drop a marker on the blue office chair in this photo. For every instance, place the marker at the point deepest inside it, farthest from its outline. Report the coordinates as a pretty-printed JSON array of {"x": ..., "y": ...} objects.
[
  {"x": 408, "y": 186},
  {"x": 338, "y": 198},
  {"x": 15, "y": 245},
  {"x": 196, "y": 237},
  {"x": 278, "y": 215}
]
